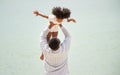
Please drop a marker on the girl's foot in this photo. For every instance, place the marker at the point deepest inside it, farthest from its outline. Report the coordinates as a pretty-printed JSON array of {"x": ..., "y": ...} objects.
[{"x": 42, "y": 57}]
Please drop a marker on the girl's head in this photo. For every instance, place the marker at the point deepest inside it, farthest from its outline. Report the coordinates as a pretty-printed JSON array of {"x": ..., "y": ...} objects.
[
  {"x": 57, "y": 11},
  {"x": 61, "y": 13},
  {"x": 66, "y": 13}
]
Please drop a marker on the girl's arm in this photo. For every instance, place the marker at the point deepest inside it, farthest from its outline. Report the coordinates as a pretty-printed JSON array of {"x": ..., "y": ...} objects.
[
  {"x": 39, "y": 14},
  {"x": 71, "y": 19}
]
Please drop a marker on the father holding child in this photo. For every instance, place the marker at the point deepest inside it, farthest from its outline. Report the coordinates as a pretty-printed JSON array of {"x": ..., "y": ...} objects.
[{"x": 55, "y": 52}]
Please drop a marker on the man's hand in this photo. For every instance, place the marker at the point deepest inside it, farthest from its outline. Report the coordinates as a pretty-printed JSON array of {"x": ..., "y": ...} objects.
[
  {"x": 71, "y": 19},
  {"x": 36, "y": 13}
]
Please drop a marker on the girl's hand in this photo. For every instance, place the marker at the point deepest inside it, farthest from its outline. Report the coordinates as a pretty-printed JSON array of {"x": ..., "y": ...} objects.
[
  {"x": 36, "y": 13},
  {"x": 71, "y": 19}
]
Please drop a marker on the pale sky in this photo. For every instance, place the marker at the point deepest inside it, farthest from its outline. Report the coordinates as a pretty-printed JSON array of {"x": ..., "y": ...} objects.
[{"x": 95, "y": 47}]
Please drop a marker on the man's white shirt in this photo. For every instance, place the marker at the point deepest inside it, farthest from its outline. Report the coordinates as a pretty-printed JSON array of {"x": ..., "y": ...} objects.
[{"x": 55, "y": 61}]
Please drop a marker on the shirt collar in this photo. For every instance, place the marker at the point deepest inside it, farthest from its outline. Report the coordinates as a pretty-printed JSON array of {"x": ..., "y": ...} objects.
[{"x": 57, "y": 51}]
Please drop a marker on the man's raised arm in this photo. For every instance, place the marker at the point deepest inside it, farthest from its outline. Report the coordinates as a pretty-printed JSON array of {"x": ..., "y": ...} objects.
[
  {"x": 67, "y": 40},
  {"x": 43, "y": 40}
]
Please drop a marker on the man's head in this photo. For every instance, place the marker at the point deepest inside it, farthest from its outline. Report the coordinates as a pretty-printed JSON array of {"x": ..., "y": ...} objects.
[{"x": 54, "y": 43}]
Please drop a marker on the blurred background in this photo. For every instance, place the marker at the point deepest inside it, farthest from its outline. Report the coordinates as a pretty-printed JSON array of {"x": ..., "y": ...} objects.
[{"x": 95, "y": 47}]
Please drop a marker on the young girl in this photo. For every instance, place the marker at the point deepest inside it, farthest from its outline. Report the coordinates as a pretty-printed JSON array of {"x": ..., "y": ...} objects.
[{"x": 58, "y": 16}]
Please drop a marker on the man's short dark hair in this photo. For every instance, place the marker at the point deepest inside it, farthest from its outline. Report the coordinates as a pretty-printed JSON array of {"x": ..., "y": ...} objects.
[{"x": 54, "y": 43}]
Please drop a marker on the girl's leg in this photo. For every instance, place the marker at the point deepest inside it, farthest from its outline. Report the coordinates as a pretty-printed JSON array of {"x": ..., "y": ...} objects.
[
  {"x": 54, "y": 34},
  {"x": 49, "y": 36}
]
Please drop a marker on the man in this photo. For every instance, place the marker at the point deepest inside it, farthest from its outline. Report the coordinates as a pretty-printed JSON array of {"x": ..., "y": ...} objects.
[{"x": 56, "y": 53}]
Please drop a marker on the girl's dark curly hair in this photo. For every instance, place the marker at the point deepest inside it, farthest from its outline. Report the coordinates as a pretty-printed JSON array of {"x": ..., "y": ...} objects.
[
  {"x": 57, "y": 11},
  {"x": 61, "y": 13},
  {"x": 66, "y": 13}
]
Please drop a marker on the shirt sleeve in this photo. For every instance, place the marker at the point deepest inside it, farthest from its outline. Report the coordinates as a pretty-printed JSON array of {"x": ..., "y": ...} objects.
[
  {"x": 43, "y": 41},
  {"x": 67, "y": 40}
]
